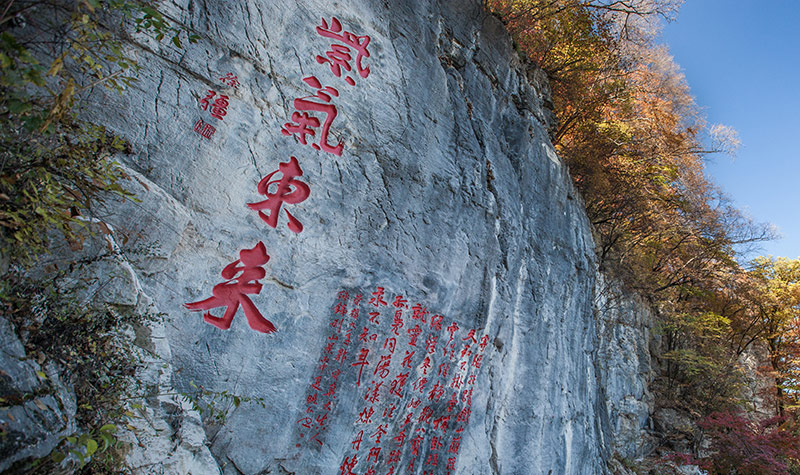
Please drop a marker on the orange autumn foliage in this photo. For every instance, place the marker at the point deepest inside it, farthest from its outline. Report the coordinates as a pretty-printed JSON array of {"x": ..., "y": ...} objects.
[{"x": 633, "y": 138}]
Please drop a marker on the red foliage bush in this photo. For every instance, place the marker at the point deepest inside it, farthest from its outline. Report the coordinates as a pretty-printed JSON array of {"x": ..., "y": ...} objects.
[{"x": 742, "y": 446}]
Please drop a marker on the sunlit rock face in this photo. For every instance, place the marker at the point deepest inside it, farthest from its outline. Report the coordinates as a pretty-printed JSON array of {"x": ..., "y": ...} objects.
[{"x": 373, "y": 180}]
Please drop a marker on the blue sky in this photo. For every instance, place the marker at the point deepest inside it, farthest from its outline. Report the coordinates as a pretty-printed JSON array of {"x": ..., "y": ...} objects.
[{"x": 742, "y": 62}]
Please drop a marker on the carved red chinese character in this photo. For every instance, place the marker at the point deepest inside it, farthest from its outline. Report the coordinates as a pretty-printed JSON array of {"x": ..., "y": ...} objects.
[
  {"x": 455, "y": 445},
  {"x": 397, "y": 323},
  {"x": 288, "y": 191},
  {"x": 306, "y": 422},
  {"x": 304, "y": 123},
  {"x": 220, "y": 106},
  {"x": 436, "y": 322},
  {"x": 365, "y": 416},
  {"x": 426, "y": 415},
  {"x": 374, "y": 452},
  {"x": 372, "y": 395},
  {"x": 470, "y": 336},
  {"x": 314, "y": 438},
  {"x": 436, "y": 393},
  {"x": 399, "y": 438},
  {"x": 373, "y": 317},
  {"x": 441, "y": 422},
  {"x": 230, "y": 80},
  {"x": 204, "y": 129},
  {"x": 379, "y": 432},
  {"x": 466, "y": 396},
  {"x": 430, "y": 343},
  {"x": 463, "y": 416},
  {"x": 452, "y": 402},
  {"x": 377, "y": 297},
  {"x": 408, "y": 418},
  {"x": 339, "y": 56},
  {"x": 417, "y": 441},
  {"x": 451, "y": 463},
  {"x": 443, "y": 369},
  {"x": 348, "y": 465},
  {"x": 418, "y": 312},
  {"x": 433, "y": 459},
  {"x": 407, "y": 360},
  {"x": 382, "y": 369},
  {"x": 400, "y": 302},
  {"x": 357, "y": 441},
  {"x": 396, "y": 386},
  {"x": 452, "y": 329},
  {"x": 419, "y": 384},
  {"x": 391, "y": 342},
  {"x": 413, "y": 333},
  {"x": 243, "y": 275},
  {"x": 361, "y": 362},
  {"x": 484, "y": 342}
]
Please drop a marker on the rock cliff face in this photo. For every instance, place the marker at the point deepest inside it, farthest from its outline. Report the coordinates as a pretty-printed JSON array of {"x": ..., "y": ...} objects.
[{"x": 441, "y": 310}]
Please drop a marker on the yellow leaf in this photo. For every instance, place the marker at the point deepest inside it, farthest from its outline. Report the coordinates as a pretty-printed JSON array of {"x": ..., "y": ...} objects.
[{"x": 56, "y": 66}]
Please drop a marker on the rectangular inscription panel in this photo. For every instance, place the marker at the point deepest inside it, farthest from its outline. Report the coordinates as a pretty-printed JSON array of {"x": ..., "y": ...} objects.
[{"x": 411, "y": 373}]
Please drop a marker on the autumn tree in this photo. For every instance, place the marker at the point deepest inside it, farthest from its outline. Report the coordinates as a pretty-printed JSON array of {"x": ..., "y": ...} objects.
[
  {"x": 776, "y": 319},
  {"x": 634, "y": 140}
]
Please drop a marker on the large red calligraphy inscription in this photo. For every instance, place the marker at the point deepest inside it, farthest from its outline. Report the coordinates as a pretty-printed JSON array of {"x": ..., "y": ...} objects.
[
  {"x": 412, "y": 388},
  {"x": 340, "y": 55},
  {"x": 233, "y": 293},
  {"x": 303, "y": 123},
  {"x": 243, "y": 275},
  {"x": 288, "y": 191}
]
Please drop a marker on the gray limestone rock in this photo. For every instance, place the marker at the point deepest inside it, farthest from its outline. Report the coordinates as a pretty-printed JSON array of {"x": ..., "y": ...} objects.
[
  {"x": 439, "y": 311},
  {"x": 37, "y": 408}
]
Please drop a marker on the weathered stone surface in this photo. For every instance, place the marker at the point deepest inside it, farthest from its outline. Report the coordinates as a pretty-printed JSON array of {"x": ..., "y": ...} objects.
[
  {"x": 36, "y": 411},
  {"x": 448, "y": 192},
  {"x": 624, "y": 330}
]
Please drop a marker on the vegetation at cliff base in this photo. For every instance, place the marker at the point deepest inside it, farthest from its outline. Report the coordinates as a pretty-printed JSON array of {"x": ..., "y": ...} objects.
[
  {"x": 56, "y": 171},
  {"x": 635, "y": 142}
]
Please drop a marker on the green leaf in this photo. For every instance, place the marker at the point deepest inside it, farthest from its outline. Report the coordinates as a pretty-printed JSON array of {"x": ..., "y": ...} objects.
[
  {"x": 91, "y": 447},
  {"x": 176, "y": 41},
  {"x": 15, "y": 106},
  {"x": 108, "y": 428},
  {"x": 41, "y": 374},
  {"x": 58, "y": 457}
]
